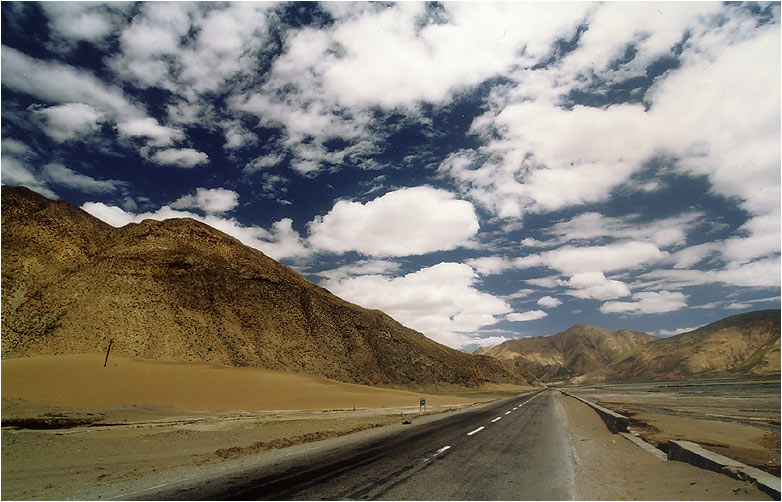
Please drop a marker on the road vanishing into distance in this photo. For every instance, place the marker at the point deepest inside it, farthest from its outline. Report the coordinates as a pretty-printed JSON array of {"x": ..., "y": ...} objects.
[{"x": 513, "y": 449}]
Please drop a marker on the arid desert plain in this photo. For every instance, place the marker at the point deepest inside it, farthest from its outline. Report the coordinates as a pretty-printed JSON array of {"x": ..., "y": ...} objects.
[{"x": 73, "y": 428}]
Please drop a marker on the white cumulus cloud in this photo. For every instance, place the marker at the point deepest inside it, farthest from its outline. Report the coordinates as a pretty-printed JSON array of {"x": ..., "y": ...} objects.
[
  {"x": 762, "y": 273},
  {"x": 405, "y": 222},
  {"x": 90, "y": 21},
  {"x": 532, "y": 315},
  {"x": 149, "y": 127},
  {"x": 61, "y": 83},
  {"x": 490, "y": 265},
  {"x": 209, "y": 200},
  {"x": 594, "y": 285},
  {"x": 181, "y": 157},
  {"x": 69, "y": 121},
  {"x": 572, "y": 260},
  {"x": 648, "y": 302},
  {"x": 327, "y": 81},
  {"x": 440, "y": 301},
  {"x": 549, "y": 302},
  {"x": 541, "y": 156},
  {"x": 61, "y": 175},
  {"x": 590, "y": 226}
]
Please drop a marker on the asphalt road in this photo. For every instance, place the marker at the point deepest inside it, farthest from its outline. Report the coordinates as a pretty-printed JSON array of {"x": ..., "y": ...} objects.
[{"x": 515, "y": 449}]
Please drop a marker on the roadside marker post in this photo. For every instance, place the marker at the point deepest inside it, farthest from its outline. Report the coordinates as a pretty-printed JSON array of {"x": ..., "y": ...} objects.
[
  {"x": 107, "y": 353},
  {"x": 421, "y": 405}
]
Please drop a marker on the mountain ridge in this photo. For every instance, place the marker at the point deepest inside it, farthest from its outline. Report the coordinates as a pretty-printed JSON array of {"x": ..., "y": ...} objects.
[
  {"x": 578, "y": 350},
  {"x": 743, "y": 344},
  {"x": 180, "y": 290}
]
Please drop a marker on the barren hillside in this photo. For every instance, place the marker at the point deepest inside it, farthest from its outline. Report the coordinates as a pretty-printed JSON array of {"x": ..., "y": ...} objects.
[
  {"x": 745, "y": 344},
  {"x": 180, "y": 290},
  {"x": 577, "y": 351}
]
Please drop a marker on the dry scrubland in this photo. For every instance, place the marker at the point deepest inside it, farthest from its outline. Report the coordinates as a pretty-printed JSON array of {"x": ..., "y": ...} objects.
[{"x": 87, "y": 427}]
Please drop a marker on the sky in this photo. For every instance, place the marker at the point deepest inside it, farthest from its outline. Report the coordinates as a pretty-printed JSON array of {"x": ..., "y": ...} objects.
[{"x": 479, "y": 171}]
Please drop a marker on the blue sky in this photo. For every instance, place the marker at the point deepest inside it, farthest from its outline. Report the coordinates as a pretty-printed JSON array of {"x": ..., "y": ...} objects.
[{"x": 479, "y": 171}]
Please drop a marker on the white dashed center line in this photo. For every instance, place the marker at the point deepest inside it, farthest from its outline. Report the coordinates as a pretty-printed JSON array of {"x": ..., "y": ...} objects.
[
  {"x": 433, "y": 455},
  {"x": 441, "y": 450},
  {"x": 479, "y": 429}
]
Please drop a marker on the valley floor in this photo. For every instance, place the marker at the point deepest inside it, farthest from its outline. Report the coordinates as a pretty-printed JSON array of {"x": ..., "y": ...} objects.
[
  {"x": 147, "y": 449},
  {"x": 68, "y": 434}
]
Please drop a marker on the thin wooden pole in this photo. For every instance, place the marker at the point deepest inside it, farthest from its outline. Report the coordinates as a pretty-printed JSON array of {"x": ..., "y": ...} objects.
[{"x": 107, "y": 353}]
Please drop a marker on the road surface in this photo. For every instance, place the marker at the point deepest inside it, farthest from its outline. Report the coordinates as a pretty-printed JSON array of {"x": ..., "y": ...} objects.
[{"x": 514, "y": 449}]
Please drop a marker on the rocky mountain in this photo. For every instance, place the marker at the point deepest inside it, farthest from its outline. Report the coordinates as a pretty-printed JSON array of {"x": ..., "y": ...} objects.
[
  {"x": 180, "y": 290},
  {"x": 745, "y": 344},
  {"x": 575, "y": 352}
]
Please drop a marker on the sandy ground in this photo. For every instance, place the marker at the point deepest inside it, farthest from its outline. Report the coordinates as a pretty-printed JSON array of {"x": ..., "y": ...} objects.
[
  {"x": 738, "y": 418},
  {"x": 612, "y": 468},
  {"x": 71, "y": 425},
  {"x": 82, "y": 381}
]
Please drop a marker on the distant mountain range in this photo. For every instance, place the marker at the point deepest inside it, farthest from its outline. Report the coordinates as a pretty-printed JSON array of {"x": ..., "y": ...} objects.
[
  {"x": 180, "y": 290},
  {"x": 745, "y": 344}
]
